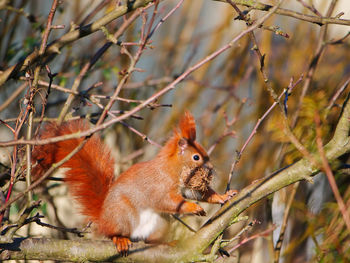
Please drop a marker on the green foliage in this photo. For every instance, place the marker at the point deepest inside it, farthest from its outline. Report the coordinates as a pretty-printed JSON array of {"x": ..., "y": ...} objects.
[
  {"x": 335, "y": 246},
  {"x": 29, "y": 44}
]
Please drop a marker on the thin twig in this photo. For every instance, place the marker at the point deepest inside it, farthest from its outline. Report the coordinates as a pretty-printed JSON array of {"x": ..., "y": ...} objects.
[
  {"x": 13, "y": 96},
  {"x": 310, "y": 7},
  {"x": 337, "y": 94},
  {"x": 284, "y": 222},
  {"x": 240, "y": 233},
  {"x": 33, "y": 88},
  {"x": 327, "y": 169},
  {"x": 74, "y": 230},
  {"x": 10, "y": 231},
  {"x": 254, "y": 131},
  {"x": 260, "y": 234}
]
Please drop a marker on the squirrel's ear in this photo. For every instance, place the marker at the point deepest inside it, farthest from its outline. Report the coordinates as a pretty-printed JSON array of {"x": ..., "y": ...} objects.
[
  {"x": 187, "y": 127},
  {"x": 182, "y": 143}
]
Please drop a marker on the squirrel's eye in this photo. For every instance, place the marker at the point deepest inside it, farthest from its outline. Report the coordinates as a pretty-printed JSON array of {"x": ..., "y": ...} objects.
[{"x": 196, "y": 157}]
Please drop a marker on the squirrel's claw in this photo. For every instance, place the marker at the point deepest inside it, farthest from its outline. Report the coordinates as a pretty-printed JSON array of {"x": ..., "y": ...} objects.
[
  {"x": 201, "y": 212},
  {"x": 122, "y": 244},
  {"x": 228, "y": 195}
]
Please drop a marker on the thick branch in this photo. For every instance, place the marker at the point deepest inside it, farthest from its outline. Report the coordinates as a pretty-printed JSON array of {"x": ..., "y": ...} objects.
[{"x": 91, "y": 250}]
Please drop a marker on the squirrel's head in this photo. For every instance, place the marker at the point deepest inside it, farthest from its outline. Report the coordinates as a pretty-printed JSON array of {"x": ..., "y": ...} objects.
[{"x": 196, "y": 169}]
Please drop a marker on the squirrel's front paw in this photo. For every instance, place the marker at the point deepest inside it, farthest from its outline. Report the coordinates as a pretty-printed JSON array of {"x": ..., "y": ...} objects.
[
  {"x": 200, "y": 212},
  {"x": 192, "y": 208},
  {"x": 228, "y": 195}
]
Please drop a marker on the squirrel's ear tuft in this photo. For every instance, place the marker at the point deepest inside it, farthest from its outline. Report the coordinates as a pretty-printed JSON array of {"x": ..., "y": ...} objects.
[{"x": 187, "y": 127}]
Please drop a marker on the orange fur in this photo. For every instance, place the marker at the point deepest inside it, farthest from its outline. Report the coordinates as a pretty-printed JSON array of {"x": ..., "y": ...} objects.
[
  {"x": 132, "y": 206},
  {"x": 91, "y": 169},
  {"x": 187, "y": 127}
]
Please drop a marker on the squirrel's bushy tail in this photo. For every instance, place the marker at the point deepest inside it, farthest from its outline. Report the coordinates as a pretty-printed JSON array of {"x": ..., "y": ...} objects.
[{"x": 90, "y": 173}]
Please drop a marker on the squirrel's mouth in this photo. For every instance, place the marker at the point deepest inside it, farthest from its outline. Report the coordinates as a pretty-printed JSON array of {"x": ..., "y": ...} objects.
[{"x": 197, "y": 178}]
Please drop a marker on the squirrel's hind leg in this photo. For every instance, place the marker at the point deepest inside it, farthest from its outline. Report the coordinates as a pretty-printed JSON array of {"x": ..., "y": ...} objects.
[{"x": 122, "y": 244}]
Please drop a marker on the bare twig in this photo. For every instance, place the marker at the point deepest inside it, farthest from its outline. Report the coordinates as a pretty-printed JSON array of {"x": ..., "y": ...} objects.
[
  {"x": 33, "y": 88},
  {"x": 74, "y": 230},
  {"x": 260, "y": 234},
  {"x": 9, "y": 231},
  {"x": 240, "y": 233},
  {"x": 284, "y": 222},
  {"x": 94, "y": 12},
  {"x": 150, "y": 34},
  {"x": 339, "y": 40},
  {"x": 19, "y": 123},
  {"x": 310, "y": 7},
  {"x": 13, "y": 96},
  {"x": 254, "y": 131},
  {"x": 327, "y": 169},
  {"x": 337, "y": 94}
]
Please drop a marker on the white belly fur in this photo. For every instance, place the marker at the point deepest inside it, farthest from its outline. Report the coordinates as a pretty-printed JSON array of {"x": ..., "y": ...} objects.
[{"x": 149, "y": 221}]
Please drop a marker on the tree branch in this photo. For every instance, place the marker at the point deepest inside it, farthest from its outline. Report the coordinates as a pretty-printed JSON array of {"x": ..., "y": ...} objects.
[{"x": 92, "y": 250}]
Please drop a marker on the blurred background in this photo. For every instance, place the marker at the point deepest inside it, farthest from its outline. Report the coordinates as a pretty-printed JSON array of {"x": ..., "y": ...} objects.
[{"x": 227, "y": 96}]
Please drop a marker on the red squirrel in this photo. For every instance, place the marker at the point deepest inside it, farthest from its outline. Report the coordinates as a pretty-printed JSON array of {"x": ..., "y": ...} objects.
[{"x": 131, "y": 206}]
